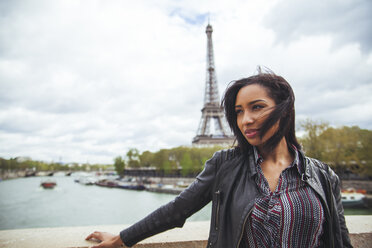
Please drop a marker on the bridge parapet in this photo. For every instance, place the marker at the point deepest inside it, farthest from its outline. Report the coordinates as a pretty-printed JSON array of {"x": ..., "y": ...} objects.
[{"x": 192, "y": 235}]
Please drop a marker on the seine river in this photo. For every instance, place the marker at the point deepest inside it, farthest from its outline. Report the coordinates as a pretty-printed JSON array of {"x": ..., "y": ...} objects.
[{"x": 24, "y": 204}]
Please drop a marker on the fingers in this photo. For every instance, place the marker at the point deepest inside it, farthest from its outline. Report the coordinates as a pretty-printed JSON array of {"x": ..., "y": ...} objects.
[
  {"x": 89, "y": 236},
  {"x": 95, "y": 235},
  {"x": 106, "y": 240}
]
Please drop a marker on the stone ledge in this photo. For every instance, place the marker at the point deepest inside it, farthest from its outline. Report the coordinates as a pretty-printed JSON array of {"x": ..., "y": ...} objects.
[
  {"x": 192, "y": 235},
  {"x": 361, "y": 240}
]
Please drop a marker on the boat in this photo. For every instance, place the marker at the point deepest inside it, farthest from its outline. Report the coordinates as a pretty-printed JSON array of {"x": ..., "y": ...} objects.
[
  {"x": 30, "y": 173},
  {"x": 48, "y": 184},
  {"x": 161, "y": 188},
  {"x": 86, "y": 180},
  {"x": 131, "y": 183},
  {"x": 132, "y": 186},
  {"x": 107, "y": 183},
  {"x": 352, "y": 198}
]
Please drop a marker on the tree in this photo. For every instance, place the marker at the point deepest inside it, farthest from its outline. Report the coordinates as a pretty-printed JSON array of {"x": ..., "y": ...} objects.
[
  {"x": 345, "y": 149},
  {"x": 146, "y": 159},
  {"x": 311, "y": 142},
  {"x": 133, "y": 158},
  {"x": 160, "y": 158},
  {"x": 365, "y": 151},
  {"x": 119, "y": 165},
  {"x": 186, "y": 164},
  {"x": 167, "y": 167},
  {"x": 348, "y": 149}
]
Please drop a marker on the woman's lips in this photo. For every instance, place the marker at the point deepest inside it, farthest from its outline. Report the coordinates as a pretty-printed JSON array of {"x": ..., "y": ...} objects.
[{"x": 251, "y": 133}]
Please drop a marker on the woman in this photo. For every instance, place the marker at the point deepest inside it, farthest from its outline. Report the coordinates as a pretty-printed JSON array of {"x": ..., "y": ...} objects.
[{"x": 265, "y": 192}]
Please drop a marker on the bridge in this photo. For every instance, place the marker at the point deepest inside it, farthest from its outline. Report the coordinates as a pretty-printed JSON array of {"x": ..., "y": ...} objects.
[{"x": 192, "y": 235}]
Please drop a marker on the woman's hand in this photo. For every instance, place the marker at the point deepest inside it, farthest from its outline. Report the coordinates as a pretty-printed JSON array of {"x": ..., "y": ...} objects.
[{"x": 107, "y": 240}]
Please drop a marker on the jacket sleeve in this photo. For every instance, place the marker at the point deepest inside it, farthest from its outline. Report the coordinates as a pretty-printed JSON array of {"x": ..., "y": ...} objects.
[
  {"x": 175, "y": 213},
  {"x": 336, "y": 188}
]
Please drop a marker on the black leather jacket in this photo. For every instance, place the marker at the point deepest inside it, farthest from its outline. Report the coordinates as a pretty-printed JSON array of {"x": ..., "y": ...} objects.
[{"x": 227, "y": 180}]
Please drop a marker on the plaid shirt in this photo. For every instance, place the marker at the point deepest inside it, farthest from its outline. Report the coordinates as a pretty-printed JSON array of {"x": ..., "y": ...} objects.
[{"x": 291, "y": 216}]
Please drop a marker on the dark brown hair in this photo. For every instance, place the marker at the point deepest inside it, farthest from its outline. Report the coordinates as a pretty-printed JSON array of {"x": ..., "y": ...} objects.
[{"x": 282, "y": 94}]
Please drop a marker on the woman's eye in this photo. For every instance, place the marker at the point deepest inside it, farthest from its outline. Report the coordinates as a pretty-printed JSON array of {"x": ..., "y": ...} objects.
[
  {"x": 256, "y": 107},
  {"x": 238, "y": 111}
]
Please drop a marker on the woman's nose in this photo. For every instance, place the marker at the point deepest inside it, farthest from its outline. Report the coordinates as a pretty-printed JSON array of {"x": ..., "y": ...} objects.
[{"x": 247, "y": 118}]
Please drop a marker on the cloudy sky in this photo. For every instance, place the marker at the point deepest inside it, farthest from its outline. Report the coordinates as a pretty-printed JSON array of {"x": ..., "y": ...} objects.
[{"x": 84, "y": 81}]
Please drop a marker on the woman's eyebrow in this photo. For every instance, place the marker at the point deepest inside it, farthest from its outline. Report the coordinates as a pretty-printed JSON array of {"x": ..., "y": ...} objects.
[
  {"x": 250, "y": 103},
  {"x": 258, "y": 100}
]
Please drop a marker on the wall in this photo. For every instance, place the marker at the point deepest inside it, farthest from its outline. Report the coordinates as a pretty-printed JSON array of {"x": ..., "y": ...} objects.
[{"x": 192, "y": 235}]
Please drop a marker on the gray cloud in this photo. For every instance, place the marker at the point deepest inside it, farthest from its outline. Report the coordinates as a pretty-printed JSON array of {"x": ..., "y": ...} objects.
[
  {"x": 86, "y": 81},
  {"x": 347, "y": 21}
]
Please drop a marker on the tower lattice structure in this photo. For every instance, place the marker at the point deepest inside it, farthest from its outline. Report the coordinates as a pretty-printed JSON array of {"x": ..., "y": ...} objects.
[{"x": 213, "y": 128}]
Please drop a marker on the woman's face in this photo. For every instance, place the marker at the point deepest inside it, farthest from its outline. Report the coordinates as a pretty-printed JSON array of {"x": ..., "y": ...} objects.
[{"x": 252, "y": 106}]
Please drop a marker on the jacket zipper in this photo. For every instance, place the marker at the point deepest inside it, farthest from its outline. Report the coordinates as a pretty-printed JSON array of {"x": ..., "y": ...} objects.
[
  {"x": 216, "y": 221},
  {"x": 331, "y": 216},
  {"x": 245, "y": 221}
]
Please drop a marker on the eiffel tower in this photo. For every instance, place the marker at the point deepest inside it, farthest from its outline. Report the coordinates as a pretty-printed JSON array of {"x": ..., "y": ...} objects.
[{"x": 213, "y": 128}]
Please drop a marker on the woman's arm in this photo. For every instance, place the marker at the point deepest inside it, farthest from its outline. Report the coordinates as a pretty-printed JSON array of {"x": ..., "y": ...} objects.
[
  {"x": 172, "y": 214},
  {"x": 175, "y": 213}
]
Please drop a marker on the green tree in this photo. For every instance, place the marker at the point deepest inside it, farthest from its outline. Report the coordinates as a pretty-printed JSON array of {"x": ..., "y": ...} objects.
[
  {"x": 167, "y": 167},
  {"x": 348, "y": 149},
  {"x": 186, "y": 164},
  {"x": 311, "y": 142},
  {"x": 365, "y": 151},
  {"x": 119, "y": 165},
  {"x": 344, "y": 148},
  {"x": 146, "y": 159},
  {"x": 160, "y": 158},
  {"x": 133, "y": 158}
]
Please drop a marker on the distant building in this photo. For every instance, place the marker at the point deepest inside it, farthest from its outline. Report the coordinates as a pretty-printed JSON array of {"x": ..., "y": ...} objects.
[{"x": 213, "y": 128}]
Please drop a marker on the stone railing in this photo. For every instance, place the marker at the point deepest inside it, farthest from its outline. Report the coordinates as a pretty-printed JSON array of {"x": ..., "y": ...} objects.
[{"x": 192, "y": 235}]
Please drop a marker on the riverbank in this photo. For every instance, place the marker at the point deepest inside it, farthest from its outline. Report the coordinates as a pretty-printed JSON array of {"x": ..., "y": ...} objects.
[
  {"x": 8, "y": 174},
  {"x": 171, "y": 185},
  {"x": 358, "y": 184},
  {"x": 13, "y": 174}
]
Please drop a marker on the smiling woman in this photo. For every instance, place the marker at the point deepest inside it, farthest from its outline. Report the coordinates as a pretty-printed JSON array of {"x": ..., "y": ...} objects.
[
  {"x": 271, "y": 100},
  {"x": 253, "y": 106},
  {"x": 265, "y": 192}
]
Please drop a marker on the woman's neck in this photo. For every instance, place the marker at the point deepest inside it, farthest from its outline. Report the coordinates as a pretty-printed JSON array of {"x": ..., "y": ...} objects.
[{"x": 279, "y": 155}]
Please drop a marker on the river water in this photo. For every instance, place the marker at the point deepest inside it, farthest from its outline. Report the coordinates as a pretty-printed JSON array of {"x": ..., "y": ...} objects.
[{"x": 24, "y": 204}]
